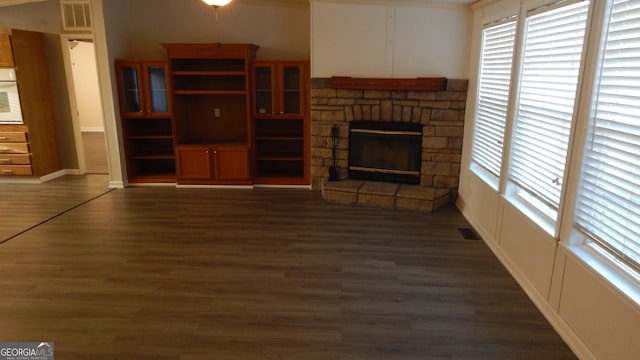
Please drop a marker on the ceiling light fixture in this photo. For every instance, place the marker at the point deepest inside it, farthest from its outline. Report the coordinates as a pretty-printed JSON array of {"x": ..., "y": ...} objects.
[{"x": 216, "y": 3}]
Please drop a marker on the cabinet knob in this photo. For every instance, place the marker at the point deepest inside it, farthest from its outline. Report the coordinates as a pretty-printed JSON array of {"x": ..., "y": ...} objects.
[
  {"x": 3, "y": 138},
  {"x": 7, "y": 171},
  {"x": 5, "y": 160}
]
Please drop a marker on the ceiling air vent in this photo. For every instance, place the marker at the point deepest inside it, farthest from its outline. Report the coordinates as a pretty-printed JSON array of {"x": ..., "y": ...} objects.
[{"x": 76, "y": 15}]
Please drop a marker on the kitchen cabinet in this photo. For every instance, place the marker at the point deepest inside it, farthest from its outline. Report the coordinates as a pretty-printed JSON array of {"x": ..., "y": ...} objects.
[
  {"x": 29, "y": 149},
  {"x": 210, "y": 91},
  {"x": 281, "y": 122},
  {"x": 6, "y": 54},
  {"x": 219, "y": 164},
  {"x": 15, "y": 158},
  {"x": 145, "y": 111}
]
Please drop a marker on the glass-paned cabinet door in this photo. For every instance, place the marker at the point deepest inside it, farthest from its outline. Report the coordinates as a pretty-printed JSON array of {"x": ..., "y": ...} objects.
[
  {"x": 263, "y": 90},
  {"x": 130, "y": 88},
  {"x": 157, "y": 89},
  {"x": 291, "y": 92}
]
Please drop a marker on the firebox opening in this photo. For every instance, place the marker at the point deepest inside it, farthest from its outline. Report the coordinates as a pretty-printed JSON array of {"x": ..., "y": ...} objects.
[{"x": 385, "y": 151}]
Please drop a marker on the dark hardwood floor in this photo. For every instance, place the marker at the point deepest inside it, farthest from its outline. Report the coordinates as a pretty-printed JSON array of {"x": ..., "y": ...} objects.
[{"x": 183, "y": 273}]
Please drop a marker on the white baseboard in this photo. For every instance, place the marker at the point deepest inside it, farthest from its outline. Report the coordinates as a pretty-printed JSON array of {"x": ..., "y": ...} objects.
[
  {"x": 116, "y": 184},
  {"x": 305, "y": 187},
  {"x": 91, "y": 129},
  {"x": 31, "y": 179},
  {"x": 74, "y": 172},
  {"x": 241, "y": 187}
]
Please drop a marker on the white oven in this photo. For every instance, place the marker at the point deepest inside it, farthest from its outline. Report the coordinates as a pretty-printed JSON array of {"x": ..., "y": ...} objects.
[{"x": 10, "y": 112}]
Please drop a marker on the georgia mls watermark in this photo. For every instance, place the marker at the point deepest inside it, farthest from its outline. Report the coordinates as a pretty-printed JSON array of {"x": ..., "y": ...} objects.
[{"x": 26, "y": 351}]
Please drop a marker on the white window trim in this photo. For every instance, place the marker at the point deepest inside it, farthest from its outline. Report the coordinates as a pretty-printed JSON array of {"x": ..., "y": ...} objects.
[
  {"x": 622, "y": 278},
  {"x": 550, "y": 226},
  {"x": 491, "y": 15}
]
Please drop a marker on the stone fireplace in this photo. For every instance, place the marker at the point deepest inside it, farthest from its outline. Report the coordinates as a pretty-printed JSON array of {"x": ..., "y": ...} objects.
[{"x": 437, "y": 109}]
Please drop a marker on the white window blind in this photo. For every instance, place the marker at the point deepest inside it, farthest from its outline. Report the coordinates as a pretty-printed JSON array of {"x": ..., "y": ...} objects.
[
  {"x": 552, "y": 54},
  {"x": 609, "y": 204},
  {"x": 493, "y": 94}
]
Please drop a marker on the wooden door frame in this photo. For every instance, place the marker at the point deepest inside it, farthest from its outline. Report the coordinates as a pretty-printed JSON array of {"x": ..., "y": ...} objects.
[{"x": 73, "y": 102}]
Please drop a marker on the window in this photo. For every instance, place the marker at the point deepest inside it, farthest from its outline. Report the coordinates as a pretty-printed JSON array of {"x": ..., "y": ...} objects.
[
  {"x": 493, "y": 94},
  {"x": 608, "y": 211},
  {"x": 552, "y": 56}
]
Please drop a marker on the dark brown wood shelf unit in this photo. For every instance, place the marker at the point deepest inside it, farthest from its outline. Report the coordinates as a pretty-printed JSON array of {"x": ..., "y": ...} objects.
[
  {"x": 211, "y": 96},
  {"x": 146, "y": 113},
  {"x": 281, "y": 122}
]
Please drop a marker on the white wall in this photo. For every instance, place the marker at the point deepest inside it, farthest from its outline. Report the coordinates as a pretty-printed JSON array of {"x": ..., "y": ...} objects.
[
  {"x": 281, "y": 30},
  {"x": 387, "y": 40},
  {"x": 596, "y": 313},
  {"x": 111, "y": 44}
]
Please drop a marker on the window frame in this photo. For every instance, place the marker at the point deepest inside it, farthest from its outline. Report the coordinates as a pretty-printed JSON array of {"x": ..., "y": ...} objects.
[
  {"x": 480, "y": 169},
  {"x": 512, "y": 192},
  {"x": 623, "y": 274}
]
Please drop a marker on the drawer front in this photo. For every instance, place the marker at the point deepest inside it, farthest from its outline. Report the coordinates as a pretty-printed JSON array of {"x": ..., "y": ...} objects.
[
  {"x": 14, "y": 148},
  {"x": 13, "y": 136},
  {"x": 8, "y": 170},
  {"x": 15, "y": 159}
]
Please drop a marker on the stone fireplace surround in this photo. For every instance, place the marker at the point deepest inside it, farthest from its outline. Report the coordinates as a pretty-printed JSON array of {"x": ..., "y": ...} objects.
[{"x": 440, "y": 111}]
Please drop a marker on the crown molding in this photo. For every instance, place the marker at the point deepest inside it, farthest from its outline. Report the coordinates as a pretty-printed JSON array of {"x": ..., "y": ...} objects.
[
  {"x": 17, "y": 2},
  {"x": 291, "y": 3},
  {"x": 466, "y": 4}
]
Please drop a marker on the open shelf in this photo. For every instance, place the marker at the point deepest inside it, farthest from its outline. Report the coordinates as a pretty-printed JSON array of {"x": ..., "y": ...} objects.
[
  {"x": 146, "y": 121},
  {"x": 210, "y": 92}
]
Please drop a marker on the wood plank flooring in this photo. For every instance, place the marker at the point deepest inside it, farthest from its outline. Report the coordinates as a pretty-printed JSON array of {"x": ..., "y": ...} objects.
[
  {"x": 23, "y": 206},
  {"x": 95, "y": 152},
  {"x": 182, "y": 273}
]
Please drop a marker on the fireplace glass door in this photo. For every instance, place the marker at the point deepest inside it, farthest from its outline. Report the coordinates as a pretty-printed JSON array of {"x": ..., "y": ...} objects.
[{"x": 385, "y": 151}]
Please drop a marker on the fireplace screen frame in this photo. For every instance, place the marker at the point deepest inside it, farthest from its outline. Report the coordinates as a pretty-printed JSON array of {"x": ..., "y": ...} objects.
[{"x": 378, "y": 166}]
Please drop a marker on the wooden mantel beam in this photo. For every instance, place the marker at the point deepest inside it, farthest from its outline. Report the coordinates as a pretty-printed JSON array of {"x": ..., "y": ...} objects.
[{"x": 428, "y": 84}]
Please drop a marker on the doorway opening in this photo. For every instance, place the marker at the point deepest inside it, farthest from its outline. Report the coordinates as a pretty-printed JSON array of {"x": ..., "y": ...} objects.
[{"x": 86, "y": 105}]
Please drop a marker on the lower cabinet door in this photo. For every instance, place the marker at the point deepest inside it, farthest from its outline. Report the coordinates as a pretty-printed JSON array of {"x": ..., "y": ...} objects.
[
  {"x": 232, "y": 163},
  {"x": 194, "y": 162}
]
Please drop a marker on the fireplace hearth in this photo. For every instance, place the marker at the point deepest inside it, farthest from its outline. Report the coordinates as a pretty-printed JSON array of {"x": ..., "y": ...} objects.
[{"x": 385, "y": 151}]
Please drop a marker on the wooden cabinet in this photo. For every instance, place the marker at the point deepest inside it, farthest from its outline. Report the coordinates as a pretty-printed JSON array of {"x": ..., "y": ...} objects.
[
  {"x": 31, "y": 148},
  {"x": 220, "y": 164},
  {"x": 281, "y": 122},
  {"x": 15, "y": 158},
  {"x": 6, "y": 54},
  {"x": 210, "y": 88},
  {"x": 147, "y": 125}
]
